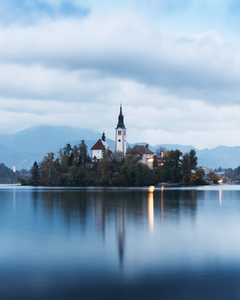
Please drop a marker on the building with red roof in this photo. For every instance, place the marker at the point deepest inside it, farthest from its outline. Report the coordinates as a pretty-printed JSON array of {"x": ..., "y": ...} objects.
[
  {"x": 143, "y": 152},
  {"x": 98, "y": 147}
]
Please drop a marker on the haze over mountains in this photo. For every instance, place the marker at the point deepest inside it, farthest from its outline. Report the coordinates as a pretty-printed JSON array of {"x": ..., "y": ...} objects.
[{"x": 25, "y": 147}]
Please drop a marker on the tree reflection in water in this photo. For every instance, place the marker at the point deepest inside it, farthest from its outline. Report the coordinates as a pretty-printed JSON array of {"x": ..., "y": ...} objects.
[{"x": 79, "y": 208}]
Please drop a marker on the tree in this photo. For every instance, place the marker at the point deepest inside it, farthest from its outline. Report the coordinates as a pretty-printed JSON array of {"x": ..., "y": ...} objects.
[
  {"x": 119, "y": 155},
  {"x": 68, "y": 152},
  {"x": 200, "y": 176},
  {"x": 193, "y": 159},
  {"x": 160, "y": 150},
  {"x": 75, "y": 154},
  {"x": 186, "y": 168},
  {"x": 83, "y": 157},
  {"x": 138, "y": 174},
  {"x": 49, "y": 169},
  {"x": 35, "y": 174},
  {"x": 214, "y": 177},
  {"x": 173, "y": 164},
  {"x": 107, "y": 154}
]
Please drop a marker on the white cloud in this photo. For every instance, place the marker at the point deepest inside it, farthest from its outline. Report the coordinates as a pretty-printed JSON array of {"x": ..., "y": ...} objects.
[
  {"x": 128, "y": 47},
  {"x": 175, "y": 88}
]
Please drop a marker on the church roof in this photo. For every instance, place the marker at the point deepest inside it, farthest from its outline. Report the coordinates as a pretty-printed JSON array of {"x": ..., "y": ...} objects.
[
  {"x": 139, "y": 149},
  {"x": 100, "y": 145}
]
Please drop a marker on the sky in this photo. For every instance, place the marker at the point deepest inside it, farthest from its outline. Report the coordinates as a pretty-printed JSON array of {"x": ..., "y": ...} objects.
[{"x": 173, "y": 64}]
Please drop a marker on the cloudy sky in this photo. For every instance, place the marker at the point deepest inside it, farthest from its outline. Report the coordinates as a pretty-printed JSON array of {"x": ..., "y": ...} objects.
[{"x": 173, "y": 64}]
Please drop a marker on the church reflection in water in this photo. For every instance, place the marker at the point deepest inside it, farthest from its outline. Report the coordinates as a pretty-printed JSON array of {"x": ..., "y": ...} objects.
[
  {"x": 106, "y": 209},
  {"x": 120, "y": 228}
]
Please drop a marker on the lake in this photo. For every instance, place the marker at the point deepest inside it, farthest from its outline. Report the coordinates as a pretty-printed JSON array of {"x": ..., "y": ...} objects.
[{"x": 120, "y": 243}]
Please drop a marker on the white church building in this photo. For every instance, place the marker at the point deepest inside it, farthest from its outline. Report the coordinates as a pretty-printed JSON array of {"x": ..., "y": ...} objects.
[
  {"x": 120, "y": 140},
  {"x": 98, "y": 147},
  {"x": 121, "y": 145}
]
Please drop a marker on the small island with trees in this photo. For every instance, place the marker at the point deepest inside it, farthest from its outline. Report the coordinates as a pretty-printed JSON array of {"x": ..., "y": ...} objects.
[
  {"x": 124, "y": 167},
  {"x": 74, "y": 167}
]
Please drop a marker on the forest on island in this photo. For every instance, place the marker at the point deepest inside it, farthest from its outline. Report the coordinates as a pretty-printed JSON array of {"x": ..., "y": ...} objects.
[{"x": 74, "y": 167}]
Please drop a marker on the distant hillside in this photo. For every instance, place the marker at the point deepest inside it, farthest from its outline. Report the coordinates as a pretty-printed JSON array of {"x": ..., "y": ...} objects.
[
  {"x": 42, "y": 139},
  {"x": 32, "y": 144},
  {"x": 7, "y": 175},
  {"x": 222, "y": 156},
  {"x": 23, "y": 148}
]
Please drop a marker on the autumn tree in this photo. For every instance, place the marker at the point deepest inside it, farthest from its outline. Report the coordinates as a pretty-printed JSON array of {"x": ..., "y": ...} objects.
[{"x": 49, "y": 169}]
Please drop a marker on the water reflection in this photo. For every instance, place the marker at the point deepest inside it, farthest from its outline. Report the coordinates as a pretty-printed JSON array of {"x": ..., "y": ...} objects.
[
  {"x": 162, "y": 203},
  {"x": 120, "y": 227},
  {"x": 79, "y": 238},
  {"x": 73, "y": 209},
  {"x": 151, "y": 208}
]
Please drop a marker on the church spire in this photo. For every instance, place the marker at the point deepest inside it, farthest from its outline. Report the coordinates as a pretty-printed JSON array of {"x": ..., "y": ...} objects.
[
  {"x": 121, "y": 119},
  {"x": 103, "y": 136}
]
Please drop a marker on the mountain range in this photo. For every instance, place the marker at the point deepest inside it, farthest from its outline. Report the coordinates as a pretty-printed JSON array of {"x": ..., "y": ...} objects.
[{"x": 23, "y": 148}]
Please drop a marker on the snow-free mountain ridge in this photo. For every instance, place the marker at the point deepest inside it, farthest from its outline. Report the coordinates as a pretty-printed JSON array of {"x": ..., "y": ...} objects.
[{"x": 23, "y": 148}]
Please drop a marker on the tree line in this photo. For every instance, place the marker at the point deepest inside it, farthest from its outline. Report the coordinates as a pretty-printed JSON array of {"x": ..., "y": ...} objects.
[{"x": 74, "y": 167}]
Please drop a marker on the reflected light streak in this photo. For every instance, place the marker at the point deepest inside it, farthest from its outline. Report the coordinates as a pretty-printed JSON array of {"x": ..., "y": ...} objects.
[
  {"x": 220, "y": 198},
  {"x": 151, "y": 207}
]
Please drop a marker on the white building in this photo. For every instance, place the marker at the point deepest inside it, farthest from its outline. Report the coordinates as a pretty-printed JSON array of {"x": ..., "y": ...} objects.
[
  {"x": 98, "y": 147},
  {"x": 120, "y": 135}
]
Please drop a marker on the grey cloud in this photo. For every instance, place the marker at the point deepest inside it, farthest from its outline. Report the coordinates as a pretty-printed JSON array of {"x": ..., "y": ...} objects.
[{"x": 193, "y": 67}]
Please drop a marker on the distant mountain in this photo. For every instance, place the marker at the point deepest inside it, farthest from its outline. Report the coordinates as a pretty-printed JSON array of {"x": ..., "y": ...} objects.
[
  {"x": 221, "y": 156},
  {"x": 32, "y": 144},
  {"x": 182, "y": 148},
  {"x": 42, "y": 139},
  {"x": 23, "y": 148}
]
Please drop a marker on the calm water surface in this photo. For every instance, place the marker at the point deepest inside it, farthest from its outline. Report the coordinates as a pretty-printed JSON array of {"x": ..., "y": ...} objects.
[{"x": 99, "y": 243}]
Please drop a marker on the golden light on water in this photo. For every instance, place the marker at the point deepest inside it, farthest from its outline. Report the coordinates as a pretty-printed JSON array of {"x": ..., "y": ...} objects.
[
  {"x": 151, "y": 207},
  {"x": 220, "y": 197},
  {"x": 151, "y": 189}
]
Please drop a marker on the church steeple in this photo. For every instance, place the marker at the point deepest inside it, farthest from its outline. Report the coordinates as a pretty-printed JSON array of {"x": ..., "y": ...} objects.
[
  {"x": 121, "y": 119},
  {"x": 120, "y": 134}
]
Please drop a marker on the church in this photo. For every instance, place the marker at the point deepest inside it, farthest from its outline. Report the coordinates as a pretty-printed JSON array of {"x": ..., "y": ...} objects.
[
  {"x": 120, "y": 140},
  {"x": 121, "y": 145},
  {"x": 120, "y": 135}
]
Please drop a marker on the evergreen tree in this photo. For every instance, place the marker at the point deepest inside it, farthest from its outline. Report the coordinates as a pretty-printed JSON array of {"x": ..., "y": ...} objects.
[
  {"x": 35, "y": 174},
  {"x": 193, "y": 159},
  {"x": 84, "y": 158},
  {"x": 186, "y": 168}
]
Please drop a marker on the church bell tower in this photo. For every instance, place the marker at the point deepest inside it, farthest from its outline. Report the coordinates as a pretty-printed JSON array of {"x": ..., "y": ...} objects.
[{"x": 120, "y": 135}]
